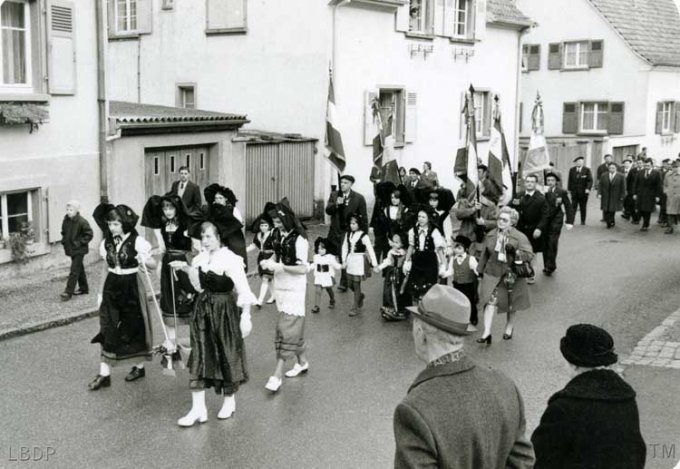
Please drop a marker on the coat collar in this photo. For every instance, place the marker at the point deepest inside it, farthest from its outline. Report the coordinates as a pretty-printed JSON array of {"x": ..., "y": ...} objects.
[
  {"x": 454, "y": 368},
  {"x": 599, "y": 385}
]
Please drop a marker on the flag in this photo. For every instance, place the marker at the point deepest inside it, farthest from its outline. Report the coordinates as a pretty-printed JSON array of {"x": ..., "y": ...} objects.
[
  {"x": 499, "y": 158},
  {"x": 466, "y": 157},
  {"x": 383, "y": 142},
  {"x": 335, "y": 152},
  {"x": 537, "y": 156}
]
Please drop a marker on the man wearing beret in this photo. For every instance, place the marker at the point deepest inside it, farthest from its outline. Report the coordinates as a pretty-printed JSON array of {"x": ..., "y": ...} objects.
[
  {"x": 341, "y": 204},
  {"x": 456, "y": 414},
  {"x": 593, "y": 422},
  {"x": 579, "y": 185}
]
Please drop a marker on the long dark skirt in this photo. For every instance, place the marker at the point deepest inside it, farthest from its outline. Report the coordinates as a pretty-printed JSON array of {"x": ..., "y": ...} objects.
[
  {"x": 393, "y": 299},
  {"x": 183, "y": 299},
  {"x": 424, "y": 273},
  {"x": 124, "y": 325},
  {"x": 218, "y": 355}
]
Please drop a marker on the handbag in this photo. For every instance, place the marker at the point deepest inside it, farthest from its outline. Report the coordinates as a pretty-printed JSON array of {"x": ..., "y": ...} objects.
[{"x": 522, "y": 269}]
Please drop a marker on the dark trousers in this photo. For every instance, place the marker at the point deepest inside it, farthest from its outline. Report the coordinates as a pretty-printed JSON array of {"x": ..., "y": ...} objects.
[
  {"x": 343, "y": 280},
  {"x": 663, "y": 218},
  {"x": 645, "y": 218},
  {"x": 552, "y": 239},
  {"x": 580, "y": 204},
  {"x": 76, "y": 275},
  {"x": 470, "y": 291},
  {"x": 610, "y": 218}
]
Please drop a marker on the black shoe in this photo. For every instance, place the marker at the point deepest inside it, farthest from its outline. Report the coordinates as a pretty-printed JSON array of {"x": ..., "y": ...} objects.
[
  {"x": 474, "y": 322},
  {"x": 635, "y": 222},
  {"x": 135, "y": 373},
  {"x": 486, "y": 340},
  {"x": 547, "y": 272},
  {"x": 65, "y": 296},
  {"x": 668, "y": 230},
  {"x": 625, "y": 217},
  {"x": 80, "y": 291},
  {"x": 316, "y": 309},
  {"x": 99, "y": 382},
  {"x": 583, "y": 223},
  {"x": 507, "y": 336},
  {"x": 331, "y": 305}
]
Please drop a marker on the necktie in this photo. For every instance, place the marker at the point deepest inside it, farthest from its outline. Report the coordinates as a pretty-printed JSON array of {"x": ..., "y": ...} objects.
[{"x": 181, "y": 187}]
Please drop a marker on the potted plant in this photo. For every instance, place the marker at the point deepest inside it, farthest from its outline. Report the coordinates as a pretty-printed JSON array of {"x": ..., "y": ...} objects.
[
  {"x": 20, "y": 241},
  {"x": 27, "y": 232}
]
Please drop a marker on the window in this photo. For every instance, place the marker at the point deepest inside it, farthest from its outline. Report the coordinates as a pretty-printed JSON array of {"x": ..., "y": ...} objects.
[
  {"x": 576, "y": 54},
  {"x": 392, "y": 112},
  {"x": 226, "y": 17},
  {"x": 667, "y": 117},
  {"x": 16, "y": 209},
  {"x": 172, "y": 163},
  {"x": 126, "y": 16},
  {"x": 482, "y": 113},
  {"x": 156, "y": 166},
  {"x": 15, "y": 44},
  {"x": 188, "y": 160},
  {"x": 186, "y": 96},
  {"x": 531, "y": 57},
  {"x": 202, "y": 161},
  {"x": 594, "y": 117},
  {"x": 421, "y": 18},
  {"x": 462, "y": 18}
]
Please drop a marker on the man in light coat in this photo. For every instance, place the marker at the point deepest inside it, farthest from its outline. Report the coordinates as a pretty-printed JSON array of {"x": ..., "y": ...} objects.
[{"x": 457, "y": 414}]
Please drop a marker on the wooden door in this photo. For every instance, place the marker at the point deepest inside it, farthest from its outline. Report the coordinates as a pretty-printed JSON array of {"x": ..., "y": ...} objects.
[
  {"x": 162, "y": 168},
  {"x": 156, "y": 173}
]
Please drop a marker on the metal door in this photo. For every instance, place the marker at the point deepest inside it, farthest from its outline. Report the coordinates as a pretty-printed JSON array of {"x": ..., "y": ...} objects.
[
  {"x": 262, "y": 162},
  {"x": 296, "y": 177}
]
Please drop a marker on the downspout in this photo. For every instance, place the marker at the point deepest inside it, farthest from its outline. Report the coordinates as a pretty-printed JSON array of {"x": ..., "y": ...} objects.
[{"x": 102, "y": 104}]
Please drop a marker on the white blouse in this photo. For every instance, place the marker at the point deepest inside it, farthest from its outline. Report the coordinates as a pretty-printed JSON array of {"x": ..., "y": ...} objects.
[
  {"x": 437, "y": 238},
  {"x": 142, "y": 246},
  {"x": 221, "y": 262}
]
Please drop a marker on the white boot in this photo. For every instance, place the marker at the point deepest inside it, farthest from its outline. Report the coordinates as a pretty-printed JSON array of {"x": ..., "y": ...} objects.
[
  {"x": 228, "y": 408},
  {"x": 198, "y": 412}
]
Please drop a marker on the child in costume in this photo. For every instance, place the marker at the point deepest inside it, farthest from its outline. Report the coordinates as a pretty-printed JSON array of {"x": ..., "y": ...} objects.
[
  {"x": 425, "y": 258},
  {"x": 395, "y": 298},
  {"x": 264, "y": 241},
  {"x": 355, "y": 246},
  {"x": 324, "y": 265},
  {"x": 463, "y": 269}
]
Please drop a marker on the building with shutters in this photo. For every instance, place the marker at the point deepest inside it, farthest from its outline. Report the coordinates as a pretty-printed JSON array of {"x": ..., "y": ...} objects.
[
  {"x": 608, "y": 72},
  {"x": 48, "y": 120},
  {"x": 271, "y": 59}
]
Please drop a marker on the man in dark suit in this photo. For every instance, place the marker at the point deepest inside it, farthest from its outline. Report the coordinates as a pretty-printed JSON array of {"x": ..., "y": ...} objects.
[
  {"x": 612, "y": 192},
  {"x": 630, "y": 174},
  {"x": 579, "y": 185},
  {"x": 557, "y": 201},
  {"x": 648, "y": 190},
  {"x": 189, "y": 192},
  {"x": 457, "y": 414},
  {"x": 533, "y": 214},
  {"x": 341, "y": 204},
  {"x": 603, "y": 168}
]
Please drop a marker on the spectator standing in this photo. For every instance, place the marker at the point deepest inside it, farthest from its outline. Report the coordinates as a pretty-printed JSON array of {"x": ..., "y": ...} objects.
[
  {"x": 429, "y": 176},
  {"x": 76, "y": 234},
  {"x": 671, "y": 189}
]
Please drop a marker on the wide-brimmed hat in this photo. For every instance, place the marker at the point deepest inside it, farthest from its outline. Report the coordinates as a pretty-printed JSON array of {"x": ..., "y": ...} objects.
[
  {"x": 445, "y": 308},
  {"x": 588, "y": 346},
  {"x": 105, "y": 212},
  {"x": 152, "y": 215},
  {"x": 214, "y": 189}
]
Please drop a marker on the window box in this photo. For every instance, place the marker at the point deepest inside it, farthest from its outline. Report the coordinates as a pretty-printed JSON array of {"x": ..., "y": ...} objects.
[{"x": 33, "y": 114}]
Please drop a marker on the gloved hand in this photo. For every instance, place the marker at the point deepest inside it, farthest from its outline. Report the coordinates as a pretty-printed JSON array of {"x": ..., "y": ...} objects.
[{"x": 245, "y": 325}]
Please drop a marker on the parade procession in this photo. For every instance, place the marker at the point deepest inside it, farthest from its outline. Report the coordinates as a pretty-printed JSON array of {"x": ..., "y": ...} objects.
[{"x": 340, "y": 233}]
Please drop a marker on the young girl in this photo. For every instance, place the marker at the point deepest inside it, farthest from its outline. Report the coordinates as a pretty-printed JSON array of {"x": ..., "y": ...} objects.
[
  {"x": 264, "y": 241},
  {"x": 463, "y": 269},
  {"x": 425, "y": 261},
  {"x": 395, "y": 299},
  {"x": 324, "y": 265},
  {"x": 354, "y": 247},
  {"x": 124, "y": 323}
]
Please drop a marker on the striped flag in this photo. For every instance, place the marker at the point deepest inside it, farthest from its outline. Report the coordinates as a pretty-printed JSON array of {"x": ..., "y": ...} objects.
[
  {"x": 466, "y": 158},
  {"x": 499, "y": 158},
  {"x": 537, "y": 156},
  {"x": 383, "y": 142},
  {"x": 335, "y": 152}
]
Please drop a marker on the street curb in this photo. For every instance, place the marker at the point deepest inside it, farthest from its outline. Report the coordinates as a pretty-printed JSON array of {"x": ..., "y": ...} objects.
[{"x": 51, "y": 323}]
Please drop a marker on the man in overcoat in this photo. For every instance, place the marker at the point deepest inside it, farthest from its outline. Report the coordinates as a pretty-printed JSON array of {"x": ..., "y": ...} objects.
[
  {"x": 579, "y": 185},
  {"x": 456, "y": 414},
  {"x": 341, "y": 204},
  {"x": 558, "y": 204},
  {"x": 630, "y": 173},
  {"x": 648, "y": 190},
  {"x": 533, "y": 214},
  {"x": 594, "y": 421},
  {"x": 612, "y": 193}
]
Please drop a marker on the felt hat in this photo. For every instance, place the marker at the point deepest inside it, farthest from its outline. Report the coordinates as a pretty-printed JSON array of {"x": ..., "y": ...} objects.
[
  {"x": 482, "y": 167},
  {"x": 588, "y": 346},
  {"x": 104, "y": 213},
  {"x": 554, "y": 175},
  {"x": 578, "y": 158},
  {"x": 214, "y": 189},
  {"x": 349, "y": 177},
  {"x": 445, "y": 308},
  {"x": 463, "y": 241}
]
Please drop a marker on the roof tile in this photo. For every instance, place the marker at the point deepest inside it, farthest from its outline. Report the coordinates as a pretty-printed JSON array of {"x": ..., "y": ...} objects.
[
  {"x": 126, "y": 112},
  {"x": 505, "y": 11}
]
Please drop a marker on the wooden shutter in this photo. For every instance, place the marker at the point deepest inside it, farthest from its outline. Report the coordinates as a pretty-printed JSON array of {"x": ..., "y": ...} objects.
[
  {"x": 676, "y": 117},
  {"x": 486, "y": 123},
  {"x": 144, "y": 16},
  {"x": 370, "y": 127},
  {"x": 411, "y": 117},
  {"x": 61, "y": 48},
  {"x": 595, "y": 56},
  {"x": 616, "y": 118},
  {"x": 605, "y": 117},
  {"x": 480, "y": 19},
  {"x": 570, "y": 118},
  {"x": 534, "y": 60},
  {"x": 659, "y": 119},
  {"x": 438, "y": 17},
  {"x": 449, "y": 17},
  {"x": 554, "y": 56},
  {"x": 402, "y": 18}
]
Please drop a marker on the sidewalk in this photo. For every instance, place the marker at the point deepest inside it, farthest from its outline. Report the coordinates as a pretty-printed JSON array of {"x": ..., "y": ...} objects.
[{"x": 31, "y": 304}]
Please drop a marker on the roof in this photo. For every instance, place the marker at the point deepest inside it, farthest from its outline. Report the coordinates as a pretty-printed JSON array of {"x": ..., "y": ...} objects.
[
  {"x": 138, "y": 113},
  {"x": 263, "y": 136},
  {"x": 650, "y": 27},
  {"x": 505, "y": 11}
]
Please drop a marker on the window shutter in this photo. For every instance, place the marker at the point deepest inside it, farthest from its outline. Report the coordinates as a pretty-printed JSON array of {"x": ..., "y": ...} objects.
[
  {"x": 402, "y": 18},
  {"x": 676, "y": 117},
  {"x": 595, "y": 57},
  {"x": 616, "y": 118},
  {"x": 555, "y": 56},
  {"x": 144, "y": 16},
  {"x": 449, "y": 17},
  {"x": 480, "y": 19},
  {"x": 534, "y": 57},
  {"x": 486, "y": 125},
  {"x": 605, "y": 116},
  {"x": 438, "y": 17},
  {"x": 570, "y": 118},
  {"x": 411, "y": 118},
  {"x": 226, "y": 14},
  {"x": 370, "y": 127},
  {"x": 659, "y": 118},
  {"x": 110, "y": 18},
  {"x": 61, "y": 48}
]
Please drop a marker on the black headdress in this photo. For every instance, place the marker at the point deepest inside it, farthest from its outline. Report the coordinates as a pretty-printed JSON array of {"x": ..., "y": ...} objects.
[
  {"x": 219, "y": 215},
  {"x": 330, "y": 246},
  {"x": 152, "y": 215},
  {"x": 444, "y": 196},
  {"x": 264, "y": 216},
  {"x": 290, "y": 222},
  {"x": 213, "y": 189},
  {"x": 104, "y": 213}
]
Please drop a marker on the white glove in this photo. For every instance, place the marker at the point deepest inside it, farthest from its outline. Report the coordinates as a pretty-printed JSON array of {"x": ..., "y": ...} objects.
[
  {"x": 569, "y": 227},
  {"x": 245, "y": 325},
  {"x": 407, "y": 267},
  {"x": 99, "y": 300}
]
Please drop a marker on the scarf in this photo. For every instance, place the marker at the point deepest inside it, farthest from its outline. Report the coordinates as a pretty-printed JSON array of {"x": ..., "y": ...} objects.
[{"x": 501, "y": 242}]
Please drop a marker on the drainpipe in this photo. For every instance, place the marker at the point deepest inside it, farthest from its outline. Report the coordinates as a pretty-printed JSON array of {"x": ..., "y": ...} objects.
[{"x": 102, "y": 104}]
